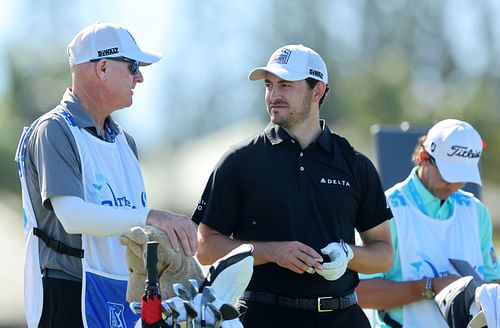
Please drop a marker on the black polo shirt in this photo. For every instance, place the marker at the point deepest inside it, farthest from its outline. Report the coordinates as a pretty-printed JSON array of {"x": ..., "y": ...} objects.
[{"x": 269, "y": 189}]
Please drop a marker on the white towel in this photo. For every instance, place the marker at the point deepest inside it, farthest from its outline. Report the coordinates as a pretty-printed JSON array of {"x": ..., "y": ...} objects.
[{"x": 488, "y": 298}]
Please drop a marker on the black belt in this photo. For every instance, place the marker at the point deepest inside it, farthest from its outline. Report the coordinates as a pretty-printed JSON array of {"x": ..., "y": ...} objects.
[{"x": 318, "y": 304}]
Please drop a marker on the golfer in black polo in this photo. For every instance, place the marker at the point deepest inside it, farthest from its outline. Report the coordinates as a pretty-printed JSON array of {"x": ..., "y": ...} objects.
[{"x": 297, "y": 191}]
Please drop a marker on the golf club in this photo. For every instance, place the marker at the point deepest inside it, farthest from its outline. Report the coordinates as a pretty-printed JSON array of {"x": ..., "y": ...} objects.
[
  {"x": 175, "y": 312},
  {"x": 217, "y": 315},
  {"x": 136, "y": 308},
  {"x": 165, "y": 310},
  {"x": 207, "y": 296},
  {"x": 191, "y": 314},
  {"x": 195, "y": 288},
  {"x": 229, "y": 312},
  {"x": 182, "y": 292}
]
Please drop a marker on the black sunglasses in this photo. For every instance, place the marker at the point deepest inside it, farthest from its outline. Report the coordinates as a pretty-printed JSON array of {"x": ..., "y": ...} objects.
[{"x": 133, "y": 67}]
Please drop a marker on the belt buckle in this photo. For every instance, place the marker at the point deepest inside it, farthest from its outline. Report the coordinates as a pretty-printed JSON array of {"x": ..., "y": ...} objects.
[{"x": 319, "y": 304}]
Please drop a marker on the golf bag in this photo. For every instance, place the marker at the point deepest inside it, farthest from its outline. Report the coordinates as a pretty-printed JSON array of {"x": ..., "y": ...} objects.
[
  {"x": 456, "y": 302},
  {"x": 209, "y": 305}
]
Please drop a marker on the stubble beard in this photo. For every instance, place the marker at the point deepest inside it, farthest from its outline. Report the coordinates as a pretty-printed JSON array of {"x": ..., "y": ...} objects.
[{"x": 296, "y": 115}]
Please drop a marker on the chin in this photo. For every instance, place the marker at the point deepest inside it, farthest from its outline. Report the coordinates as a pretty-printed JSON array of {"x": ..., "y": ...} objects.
[{"x": 275, "y": 119}]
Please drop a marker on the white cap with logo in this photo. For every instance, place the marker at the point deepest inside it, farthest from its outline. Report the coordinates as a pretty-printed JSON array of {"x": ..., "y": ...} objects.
[
  {"x": 293, "y": 63},
  {"x": 456, "y": 147},
  {"x": 101, "y": 40}
]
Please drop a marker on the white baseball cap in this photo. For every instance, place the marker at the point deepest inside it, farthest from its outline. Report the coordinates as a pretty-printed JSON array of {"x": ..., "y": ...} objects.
[
  {"x": 105, "y": 40},
  {"x": 293, "y": 63},
  {"x": 456, "y": 147}
]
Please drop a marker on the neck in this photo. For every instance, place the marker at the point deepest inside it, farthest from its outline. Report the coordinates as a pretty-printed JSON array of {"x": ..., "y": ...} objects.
[
  {"x": 91, "y": 93},
  {"x": 420, "y": 175},
  {"x": 92, "y": 105},
  {"x": 305, "y": 133}
]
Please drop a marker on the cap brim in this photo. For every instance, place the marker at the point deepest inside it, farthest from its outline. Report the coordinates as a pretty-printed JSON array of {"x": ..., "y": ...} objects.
[
  {"x": 145, "y": 57},
  {"x": 455, "y": 173},
  {"x": 259, "y": 73}
]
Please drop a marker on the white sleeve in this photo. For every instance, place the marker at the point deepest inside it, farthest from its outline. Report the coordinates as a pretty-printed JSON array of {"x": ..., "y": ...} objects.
[{"x": 78, "y": 216}]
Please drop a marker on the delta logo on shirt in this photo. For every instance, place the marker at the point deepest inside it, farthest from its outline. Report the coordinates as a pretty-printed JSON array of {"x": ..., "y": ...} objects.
[{"x": 339, "y": 182}]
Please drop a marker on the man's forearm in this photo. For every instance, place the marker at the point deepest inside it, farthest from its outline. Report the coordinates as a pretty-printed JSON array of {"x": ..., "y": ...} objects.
[
  {"x": 374, "y": 257},
  {"x": 381, "y": 293}
]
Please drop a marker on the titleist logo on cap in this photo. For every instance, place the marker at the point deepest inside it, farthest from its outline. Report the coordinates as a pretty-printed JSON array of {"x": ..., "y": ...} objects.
[{"x": 461, "y": 151}]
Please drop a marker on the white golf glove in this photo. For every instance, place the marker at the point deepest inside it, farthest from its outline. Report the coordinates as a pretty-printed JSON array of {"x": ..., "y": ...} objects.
[{"x": 340, "y": 254}]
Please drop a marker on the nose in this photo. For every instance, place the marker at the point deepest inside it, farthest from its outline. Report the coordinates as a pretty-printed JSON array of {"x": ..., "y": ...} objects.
[
  {"x": 139, "y": 78},
  {"x": 272, "y": 94}
]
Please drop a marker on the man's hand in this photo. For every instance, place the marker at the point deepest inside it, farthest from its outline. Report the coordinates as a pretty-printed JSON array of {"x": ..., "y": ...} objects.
[
  {"x": 295, "y": 256},
  {"x": 340, "y": 254},
  {"x": 179, "y": 229}
]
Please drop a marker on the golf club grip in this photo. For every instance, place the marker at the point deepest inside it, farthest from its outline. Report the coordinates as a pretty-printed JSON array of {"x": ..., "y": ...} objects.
[{"x": 151, "y": 260}]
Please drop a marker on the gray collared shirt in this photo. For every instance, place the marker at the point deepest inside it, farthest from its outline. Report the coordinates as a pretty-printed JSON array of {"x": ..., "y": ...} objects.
[{"x": 53, "y": 168}]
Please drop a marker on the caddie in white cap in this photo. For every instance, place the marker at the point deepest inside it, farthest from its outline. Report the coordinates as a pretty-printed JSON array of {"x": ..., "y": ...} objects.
[
  {"x": 82, "y": 188},
  {"x": 297, "y": 190},
  {"x": 434, "y": 220},
  {"x": 456, "y": 148}
]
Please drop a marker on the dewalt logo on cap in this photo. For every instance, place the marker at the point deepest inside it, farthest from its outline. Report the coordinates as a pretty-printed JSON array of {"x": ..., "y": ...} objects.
[
  {"x": 316, "y": 73},
  {"x": 107, "y": 52}
]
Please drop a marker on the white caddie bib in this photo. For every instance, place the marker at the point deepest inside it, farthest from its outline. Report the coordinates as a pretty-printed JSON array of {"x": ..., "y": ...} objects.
[
  {"x": 33, "y": 289},
  {"x": 426, "y": 244},
  {"x": 111, "y": 177}
]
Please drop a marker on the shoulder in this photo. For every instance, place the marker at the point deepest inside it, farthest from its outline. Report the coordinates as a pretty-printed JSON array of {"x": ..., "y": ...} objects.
[
  {"x": 342, "y": 143},
  {"x": 50, "y": 144},
  {"x": 131, "y": 143},
  {"x": 242, "y": 155},
  {"x": 247, "y": 147},
  {"x": 364, "y": 162},
  {"x": 50, "y": 127},
  {"x": 351, "y": 153},
  {"x": 482, "y": 210},
  {"x": 465, "y": 198}
]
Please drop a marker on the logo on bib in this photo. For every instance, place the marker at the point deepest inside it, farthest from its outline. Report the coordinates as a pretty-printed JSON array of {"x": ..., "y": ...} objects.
[
  {"x": 116, "y": 319},
  {"x": 104, "y": 194}
]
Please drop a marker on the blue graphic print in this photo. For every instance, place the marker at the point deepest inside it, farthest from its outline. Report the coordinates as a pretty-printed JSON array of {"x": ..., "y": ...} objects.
[
  {"x": 103, "y": 193},
  {"x": 396, "y": 199}
]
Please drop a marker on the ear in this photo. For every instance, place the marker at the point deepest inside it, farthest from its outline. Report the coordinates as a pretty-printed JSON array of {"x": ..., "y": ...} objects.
[
  {"x": 101, "y": 68},
  {"x": 319, "y": 91},
  {"x": 423, "y": 156}
]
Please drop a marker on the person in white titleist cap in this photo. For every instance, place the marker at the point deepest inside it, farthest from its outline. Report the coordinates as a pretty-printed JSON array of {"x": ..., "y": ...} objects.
[
  {"x": 297, "y": 191},
  {"x": 82, "y": 187},
  {"x": 434, "y": 220}
]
